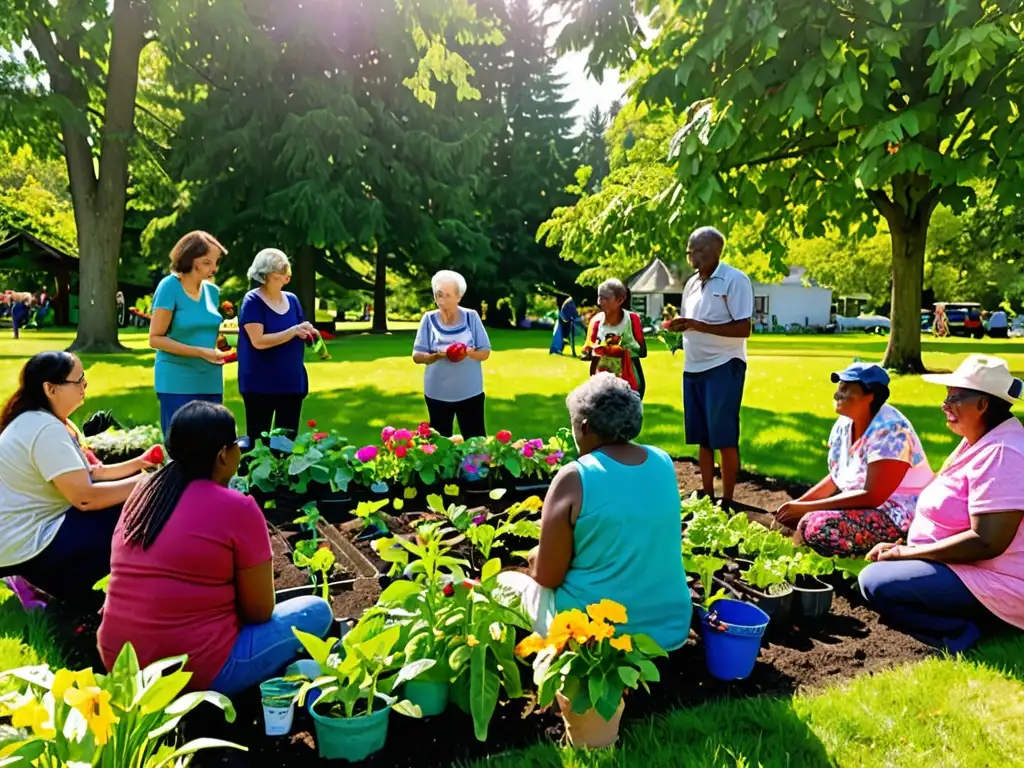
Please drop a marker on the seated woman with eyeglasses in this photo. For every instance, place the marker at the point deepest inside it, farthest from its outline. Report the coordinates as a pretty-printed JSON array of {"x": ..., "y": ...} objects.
[
  {"x": 877, "y": 469},
  {"x": 962, "y": 571},
  {"x": 191, "y": 571},
  {"x": 57, "y": 508}
]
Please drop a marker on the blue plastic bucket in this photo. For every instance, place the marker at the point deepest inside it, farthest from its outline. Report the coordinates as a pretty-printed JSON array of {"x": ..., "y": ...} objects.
[{"x": 732, "y": 632}]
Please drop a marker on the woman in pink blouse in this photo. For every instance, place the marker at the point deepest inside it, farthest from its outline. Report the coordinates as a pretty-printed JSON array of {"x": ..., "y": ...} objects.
[{"x": 962, "y": 570}]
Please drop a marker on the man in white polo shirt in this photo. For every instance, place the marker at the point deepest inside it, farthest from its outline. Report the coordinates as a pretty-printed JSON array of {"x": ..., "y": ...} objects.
[{"x": 717, "y": 305}]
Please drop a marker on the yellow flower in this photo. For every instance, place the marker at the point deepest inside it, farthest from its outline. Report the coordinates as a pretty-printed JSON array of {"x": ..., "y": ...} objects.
[
  {"x": 533, "y": 644},
  {"x": 471, "y": 641},
  {"x": 623, "y": 643},
  {"x": 607, "y": 610},
  {"x": 451, "y": 490},
  {"x": 568, "y": 625},
  {"x": 94, "y": 704},
  {"x": 26, "y": 712},
  {"x": 66, "y": 678},
  {"x": 601, "y": 630},
  {"x": 532, "y": 504}
]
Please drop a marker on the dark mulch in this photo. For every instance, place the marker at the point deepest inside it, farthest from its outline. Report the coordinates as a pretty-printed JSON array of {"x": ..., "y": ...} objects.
[{"x": 846, "y": 643}]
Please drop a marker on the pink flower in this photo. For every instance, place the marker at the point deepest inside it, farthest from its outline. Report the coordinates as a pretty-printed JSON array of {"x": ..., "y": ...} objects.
[
  {"x": 423, "y": 430},
  {"x": 479, "y": 519},
  {"x": 536, "y": 443},
  {"x": 470, "y": 469},
  {"x": 552, "y": 459},
  {"x": 528, "y": 451},
  {"x": 401, "y": 451},
  {"x": 367, "y": 453},
  {"x": 504, "y": 437},
  {"x": 386, "y": 434},
  {"x": 403, "y": 434},
  {"x": 318, "y": 436},
  {"x": 428, "y": 449}
]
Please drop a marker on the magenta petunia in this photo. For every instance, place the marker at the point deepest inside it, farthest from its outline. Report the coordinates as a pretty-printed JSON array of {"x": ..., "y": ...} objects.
[
  {"x": 386, "y": 434},
  {"x": 528, "y": 451},
  {"x": 367, "y": 453},
  {"x": 403, "y": 434},
  {"x": 428, "y": 449}
]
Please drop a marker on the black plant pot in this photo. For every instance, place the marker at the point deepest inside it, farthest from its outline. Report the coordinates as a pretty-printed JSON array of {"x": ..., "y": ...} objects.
[{"x": 813, "y": 597}]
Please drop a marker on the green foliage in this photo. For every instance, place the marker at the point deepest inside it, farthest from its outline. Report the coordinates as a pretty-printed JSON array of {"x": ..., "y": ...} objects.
[
  {"x": 117, "y": 445},
  {"x": 825, "y": 114}
]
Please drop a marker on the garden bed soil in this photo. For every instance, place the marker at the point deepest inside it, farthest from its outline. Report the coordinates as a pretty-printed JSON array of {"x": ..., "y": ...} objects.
[
  {"x": 847, "y": 643},
  {"x": 754, "y": 494}
]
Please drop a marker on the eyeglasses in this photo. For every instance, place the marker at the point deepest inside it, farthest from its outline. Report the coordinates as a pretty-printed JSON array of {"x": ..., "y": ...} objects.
[
  {"x": 75, "y": 382},
  {"x": 960, "y": 399}
]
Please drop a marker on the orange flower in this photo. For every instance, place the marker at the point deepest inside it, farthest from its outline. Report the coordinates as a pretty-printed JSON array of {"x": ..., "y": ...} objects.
[
  {"x": 600, "y": 630},
  {"x": 608, "y": 610},
  {"x": 568, "y": 625},
  {"x": 533, "y": 644},
  {"x": 623, "y": 643}
]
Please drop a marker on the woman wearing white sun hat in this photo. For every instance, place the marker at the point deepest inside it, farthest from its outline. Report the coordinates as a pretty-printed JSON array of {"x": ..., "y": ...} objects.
[{"x": 962, "y": 570}]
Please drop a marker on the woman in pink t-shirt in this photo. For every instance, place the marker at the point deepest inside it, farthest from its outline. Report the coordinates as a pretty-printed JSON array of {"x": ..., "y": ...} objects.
[
  {"x": 963, "y": 568},
  {"x": 191, "y": 571}
]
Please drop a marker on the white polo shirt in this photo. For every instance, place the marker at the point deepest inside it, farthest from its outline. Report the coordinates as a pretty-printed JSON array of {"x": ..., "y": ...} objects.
[{"x": 726, "y": 296}]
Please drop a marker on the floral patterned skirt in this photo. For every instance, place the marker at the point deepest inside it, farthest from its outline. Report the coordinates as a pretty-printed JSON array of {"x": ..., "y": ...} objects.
[{"x": 846, "y": 532}]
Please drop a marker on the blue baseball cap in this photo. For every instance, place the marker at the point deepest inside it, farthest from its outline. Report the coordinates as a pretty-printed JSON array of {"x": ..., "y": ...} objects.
[{"x": 865, "y": 373}]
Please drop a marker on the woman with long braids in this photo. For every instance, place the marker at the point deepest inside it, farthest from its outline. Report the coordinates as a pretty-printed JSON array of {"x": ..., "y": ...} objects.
[
  {"x": 190, "y": 567},
  {"x": 57, "y": 509}
]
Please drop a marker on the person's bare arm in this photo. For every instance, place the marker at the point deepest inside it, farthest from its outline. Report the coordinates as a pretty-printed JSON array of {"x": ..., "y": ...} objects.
[
  {"x": 737, "y": 329},
  {"x": 561, "y": 505},
  {"x": 478, "y": 354},
  {"x": 883, "y": 478},
  {"x": 160, "y": 324},
  {"x": 255, "y": 589},
  {"x": 107, "y": 472},
  {"x": 989, "y": 537},
  {"x": 261, "y": 340},
  {"x": 791, "y": 512},
  {"x": 82, "y": 493},
  {"x": 427, "y": 358}
]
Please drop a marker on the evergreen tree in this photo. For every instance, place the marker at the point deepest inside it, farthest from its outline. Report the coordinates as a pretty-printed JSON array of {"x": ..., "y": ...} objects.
[{"x": 593, "y": 149}]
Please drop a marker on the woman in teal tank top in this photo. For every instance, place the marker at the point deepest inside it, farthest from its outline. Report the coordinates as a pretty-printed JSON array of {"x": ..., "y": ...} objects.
[{"x": 610, "y": 527}]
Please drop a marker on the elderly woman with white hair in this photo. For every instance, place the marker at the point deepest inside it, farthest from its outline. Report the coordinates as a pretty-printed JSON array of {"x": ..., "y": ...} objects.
[
  {"x": 610, "y": 525},
  {"x": 452, "y": 343},
  {"x": 271, "y": 373}
]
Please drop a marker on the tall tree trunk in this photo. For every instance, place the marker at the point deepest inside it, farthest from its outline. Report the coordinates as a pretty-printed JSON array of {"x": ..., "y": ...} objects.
[
  {"x": 908, "y": 214},
  {"x": 380, "y": 292},
  {"x": 99, "y": 200},
  {"x": 305, "y": 280}
]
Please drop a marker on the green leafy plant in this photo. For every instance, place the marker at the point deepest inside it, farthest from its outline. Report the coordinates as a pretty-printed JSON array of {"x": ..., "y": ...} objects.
[
  {"x": 125, "y": 719},
  {"x": 321, "y": 563},
  {"x": 116, "y": 445},
  {"x": 369, "y": 513},
  {"x": 705, "y": 567},
  {"x": 767, "y": 574},
  {"x": 350, "y": 683}
]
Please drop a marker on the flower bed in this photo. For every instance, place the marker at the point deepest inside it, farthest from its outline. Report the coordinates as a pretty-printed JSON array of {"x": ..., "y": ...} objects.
[{"x": 324, "y": 466}]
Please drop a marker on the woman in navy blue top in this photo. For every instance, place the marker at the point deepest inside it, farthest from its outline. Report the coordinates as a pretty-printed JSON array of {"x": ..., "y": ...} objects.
[{"x": 271, "y": 343}]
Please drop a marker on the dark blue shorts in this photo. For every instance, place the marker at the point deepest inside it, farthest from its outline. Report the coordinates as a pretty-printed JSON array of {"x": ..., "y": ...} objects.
[{"x": 711, "y": 405}]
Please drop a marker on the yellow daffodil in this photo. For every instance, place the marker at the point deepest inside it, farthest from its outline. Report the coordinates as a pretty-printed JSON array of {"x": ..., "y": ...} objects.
[
  {"x": 94, "y": 705},
  {"x": 26, "y": 712},
  {"x": 601, "y": 630},
  {"x": 607, "y": 610},
  {"x": 622, "y": 643},
  {"x": 569, "y": 625},
  {"x": 533, "y": 644},
  {"x": 66, "y": 678},
  {"x": 471, "y": 641}
]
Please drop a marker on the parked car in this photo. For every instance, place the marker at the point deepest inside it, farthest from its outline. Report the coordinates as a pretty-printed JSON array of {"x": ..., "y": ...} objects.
[
  {"x": 964, "y": 318},
  {"x": 866, "y": 323}
]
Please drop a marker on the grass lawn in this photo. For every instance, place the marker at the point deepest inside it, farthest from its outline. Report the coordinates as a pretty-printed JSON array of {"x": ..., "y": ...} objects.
[
  {"x": 372, "y": 382},
  {"x": 966, "y": 712}
]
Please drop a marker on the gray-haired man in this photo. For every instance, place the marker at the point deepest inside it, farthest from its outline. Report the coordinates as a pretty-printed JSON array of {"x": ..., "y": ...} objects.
[{"x": 717, "y": 305}]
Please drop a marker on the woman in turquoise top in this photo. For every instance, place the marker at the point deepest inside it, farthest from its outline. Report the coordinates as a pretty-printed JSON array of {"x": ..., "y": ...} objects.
[
  {"x": 185, "y": 325},
  {"x": 610, "y": 527}
]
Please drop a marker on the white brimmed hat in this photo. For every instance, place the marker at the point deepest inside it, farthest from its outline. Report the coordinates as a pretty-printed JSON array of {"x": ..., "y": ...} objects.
[{"x": 982, "y": 373}]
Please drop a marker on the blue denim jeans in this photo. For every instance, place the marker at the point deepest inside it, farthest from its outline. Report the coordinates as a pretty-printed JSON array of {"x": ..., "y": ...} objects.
[
  {"x": 928, "y": 601},
  {"x": 263, "y": 650},
  {"x": 170, "y": 404}
]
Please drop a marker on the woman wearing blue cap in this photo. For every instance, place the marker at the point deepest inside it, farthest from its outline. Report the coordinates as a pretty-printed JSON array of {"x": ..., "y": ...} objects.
[{"x": 877, "y": 470}]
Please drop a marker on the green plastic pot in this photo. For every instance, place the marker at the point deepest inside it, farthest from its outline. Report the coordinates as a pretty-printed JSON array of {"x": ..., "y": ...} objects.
[
  {"x": 431, "y": 696},
  {"x": 351, "y": 738}
]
